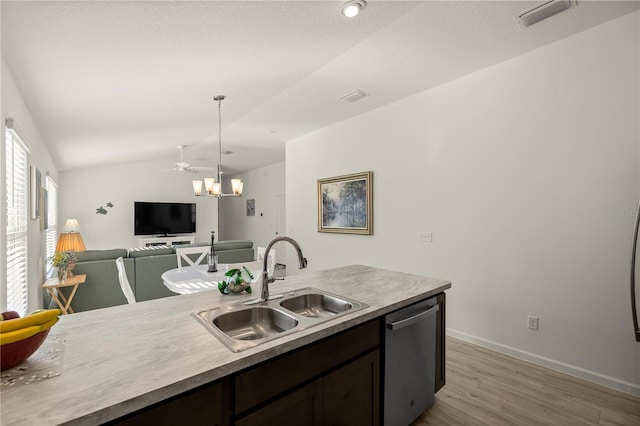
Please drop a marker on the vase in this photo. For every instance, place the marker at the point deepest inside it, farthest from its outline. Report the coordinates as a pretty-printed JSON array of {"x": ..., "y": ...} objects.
[{"x": 62, "y": 274}]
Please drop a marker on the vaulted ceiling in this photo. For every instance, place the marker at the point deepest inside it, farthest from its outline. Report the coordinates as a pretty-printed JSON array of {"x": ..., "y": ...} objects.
[{"x": 113, "y": 82}]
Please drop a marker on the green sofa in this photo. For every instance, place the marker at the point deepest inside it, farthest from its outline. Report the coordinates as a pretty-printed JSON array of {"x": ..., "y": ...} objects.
[{"x": 144, "y": 267}]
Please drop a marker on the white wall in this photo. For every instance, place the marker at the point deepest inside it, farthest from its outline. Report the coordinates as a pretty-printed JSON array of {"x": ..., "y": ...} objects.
[
  {"x": 81, "y": 192},
  {"x": 13, "y": 105},
  {"x": 263, "y": 185},
  {"x": 523, "y": 172}
]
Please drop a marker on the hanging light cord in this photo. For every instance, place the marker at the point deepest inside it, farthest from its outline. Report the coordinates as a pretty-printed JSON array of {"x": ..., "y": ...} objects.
[{"x": 219, "y": 98}]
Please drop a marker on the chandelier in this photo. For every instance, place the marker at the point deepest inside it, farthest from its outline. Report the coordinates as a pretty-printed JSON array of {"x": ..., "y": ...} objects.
[{"x": 213, "y": 188}]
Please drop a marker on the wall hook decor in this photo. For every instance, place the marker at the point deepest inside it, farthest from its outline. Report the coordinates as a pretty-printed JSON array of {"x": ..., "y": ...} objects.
[{"x": 102, "y": 210}]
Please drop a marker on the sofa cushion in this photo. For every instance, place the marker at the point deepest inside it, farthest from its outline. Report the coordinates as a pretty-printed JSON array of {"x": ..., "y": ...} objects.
[
  {"x": 150, "y": 251},
  {"x": 148, "y": 276},
  {"x": 236, "y": 256},
  {"x": 93, "y": 255},
  {"x": 233, "y": 245},
  {"x": 192, "y": 245}
]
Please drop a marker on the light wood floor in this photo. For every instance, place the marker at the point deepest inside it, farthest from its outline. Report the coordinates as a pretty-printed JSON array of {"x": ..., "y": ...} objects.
[{"x": 487, "y": 388}]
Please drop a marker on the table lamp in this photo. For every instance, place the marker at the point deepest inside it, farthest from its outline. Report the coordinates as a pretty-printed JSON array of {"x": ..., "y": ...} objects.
[{"x": 70, "y": 238}]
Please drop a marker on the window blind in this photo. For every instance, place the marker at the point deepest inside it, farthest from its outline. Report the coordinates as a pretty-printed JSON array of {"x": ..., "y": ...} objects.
[
  {"x": 17, "y": 188},
  {"x": 51, "y": 237}
]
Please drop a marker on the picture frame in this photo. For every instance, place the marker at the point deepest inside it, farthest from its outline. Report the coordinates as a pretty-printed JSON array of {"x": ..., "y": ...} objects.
[
  {"x": 44, "y": 209},
  {"x": 345, "y": 204},
  {"x": 36, "y": 184},
  {"x": 251, "y": 207}
]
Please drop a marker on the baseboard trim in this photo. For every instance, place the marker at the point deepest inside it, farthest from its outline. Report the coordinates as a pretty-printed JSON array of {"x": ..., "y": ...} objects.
[{"x": 591, "y": 376}]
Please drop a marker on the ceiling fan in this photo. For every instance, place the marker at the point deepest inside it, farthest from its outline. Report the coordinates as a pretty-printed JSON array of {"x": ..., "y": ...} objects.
[{"x": 183, "y": 166}]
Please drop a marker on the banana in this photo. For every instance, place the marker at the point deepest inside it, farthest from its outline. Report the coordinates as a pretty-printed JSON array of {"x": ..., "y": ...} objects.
[
  {"x": 34, "y": 319},
  {"x": 47, "y": 325},
  {"x": 20, "y": 334},
  {"x": 25, "y": 332}
]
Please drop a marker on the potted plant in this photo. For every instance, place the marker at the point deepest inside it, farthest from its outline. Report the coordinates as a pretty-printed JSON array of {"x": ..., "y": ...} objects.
[
  {"x": 238, "y": 280},
  {"x": 64, "y": 261}
]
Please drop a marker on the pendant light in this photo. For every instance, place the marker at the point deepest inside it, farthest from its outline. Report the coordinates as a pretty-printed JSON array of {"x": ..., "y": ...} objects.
[{"x": 213, "y": 188}]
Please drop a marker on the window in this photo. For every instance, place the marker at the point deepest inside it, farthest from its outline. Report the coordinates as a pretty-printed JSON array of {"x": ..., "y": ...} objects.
[
  {"x": 17, "y": 220},
  {"x": 51, "y": 237}
]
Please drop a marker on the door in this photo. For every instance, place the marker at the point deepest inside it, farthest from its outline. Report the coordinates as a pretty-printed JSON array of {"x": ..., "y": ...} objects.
[
  {"x": 352, "y": 393},
  {"x": 301, "y": 407},
  {"x": 281, "y": 227}
]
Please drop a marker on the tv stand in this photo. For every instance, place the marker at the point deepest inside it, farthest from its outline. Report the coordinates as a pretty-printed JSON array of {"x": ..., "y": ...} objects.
[{"x": 166, "y": 241}]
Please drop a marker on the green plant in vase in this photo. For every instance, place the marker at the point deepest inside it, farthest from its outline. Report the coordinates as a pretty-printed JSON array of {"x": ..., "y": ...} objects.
[
  {"x": 64, "y": 261},
  {"x": 238, "y": 280}
]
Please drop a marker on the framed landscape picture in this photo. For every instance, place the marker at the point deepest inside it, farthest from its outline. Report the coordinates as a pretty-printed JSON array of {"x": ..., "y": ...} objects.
[{"x": 345, "y": 204}]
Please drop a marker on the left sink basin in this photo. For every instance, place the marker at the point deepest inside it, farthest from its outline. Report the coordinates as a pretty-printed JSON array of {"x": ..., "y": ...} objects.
[
  {"x": 241, "y": 327},
  {"x": 258, "y": 322}
]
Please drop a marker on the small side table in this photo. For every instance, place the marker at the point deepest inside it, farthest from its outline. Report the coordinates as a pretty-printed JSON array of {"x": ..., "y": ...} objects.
[{"x": 53, "y": 285}]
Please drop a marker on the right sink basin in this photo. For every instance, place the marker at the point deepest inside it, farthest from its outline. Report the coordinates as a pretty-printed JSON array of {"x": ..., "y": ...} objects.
[{"x": 316, "y": 305}]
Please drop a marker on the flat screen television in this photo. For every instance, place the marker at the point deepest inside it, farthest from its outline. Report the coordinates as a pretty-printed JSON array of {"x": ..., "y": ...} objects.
[{"x": 164, "y": 218}]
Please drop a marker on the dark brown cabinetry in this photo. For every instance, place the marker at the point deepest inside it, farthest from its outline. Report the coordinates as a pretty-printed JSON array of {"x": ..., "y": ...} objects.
[
  {"x": 300, "y": 407},
  {"x": 202, "y": 406},
  {"x": 344, "y": 370},
  {"x": 352, "y": 393},
  {"x": 348, "y": 396}
]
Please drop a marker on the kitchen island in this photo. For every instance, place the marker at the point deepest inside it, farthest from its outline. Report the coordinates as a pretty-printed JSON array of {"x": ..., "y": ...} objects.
[{"x": 122, "y": 359}]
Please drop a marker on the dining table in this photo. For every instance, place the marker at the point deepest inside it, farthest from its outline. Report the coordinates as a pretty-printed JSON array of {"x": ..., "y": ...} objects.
[{"x": 194, "y": 279}]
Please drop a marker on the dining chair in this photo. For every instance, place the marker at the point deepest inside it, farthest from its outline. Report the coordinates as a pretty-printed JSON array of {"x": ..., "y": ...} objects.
[
  {"x": 184, "y": 252},
  {"x": 124, "y": 281},
  {"x": 271, "y": 264}
]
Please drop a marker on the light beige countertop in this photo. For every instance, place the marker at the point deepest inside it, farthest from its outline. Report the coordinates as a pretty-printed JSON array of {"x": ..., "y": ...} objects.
[{"x": 120, "y": 359}]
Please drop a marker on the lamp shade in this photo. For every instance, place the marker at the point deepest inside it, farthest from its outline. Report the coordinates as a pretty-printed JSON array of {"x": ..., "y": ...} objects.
[
  {"x": 71, "y": 241},
  {"x": 236, "y": 186},
  {"x": 217, "y": 189},
  {"x": 197, "y": 187},
  {"x": 71, "y": 225},
  {"x": 209, "y": 184},
  {"x": 70, "y": 238}
]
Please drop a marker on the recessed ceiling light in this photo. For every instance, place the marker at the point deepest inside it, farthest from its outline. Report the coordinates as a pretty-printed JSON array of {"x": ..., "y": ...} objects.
[{"x": 353, "y": 7}]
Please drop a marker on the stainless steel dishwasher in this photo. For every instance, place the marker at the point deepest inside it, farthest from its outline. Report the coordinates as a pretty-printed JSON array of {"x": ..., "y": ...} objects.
[{"x": 409, "y": 351}]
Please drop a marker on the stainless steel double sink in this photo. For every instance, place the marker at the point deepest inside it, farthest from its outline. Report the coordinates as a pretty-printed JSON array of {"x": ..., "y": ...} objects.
[{"x": 240, "y": 326}]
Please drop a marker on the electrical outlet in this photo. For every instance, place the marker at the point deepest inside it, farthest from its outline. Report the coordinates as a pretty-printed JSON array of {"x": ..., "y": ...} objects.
[
  {"x": 532, "y": 322},
  {"x": 425, "y": 237}
]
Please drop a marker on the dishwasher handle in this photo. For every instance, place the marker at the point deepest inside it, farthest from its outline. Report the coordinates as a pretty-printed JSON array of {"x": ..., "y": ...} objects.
[{"x": 397, "y": 325}]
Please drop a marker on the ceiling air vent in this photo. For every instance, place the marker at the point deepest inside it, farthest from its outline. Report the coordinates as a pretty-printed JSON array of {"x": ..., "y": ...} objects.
[
  {"x": 542, "y": 11},
  {"x": 354, "y": 96}
]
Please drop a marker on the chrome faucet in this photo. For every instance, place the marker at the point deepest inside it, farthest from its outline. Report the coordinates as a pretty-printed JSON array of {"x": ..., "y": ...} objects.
[{"x": 266, "y": 279}]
